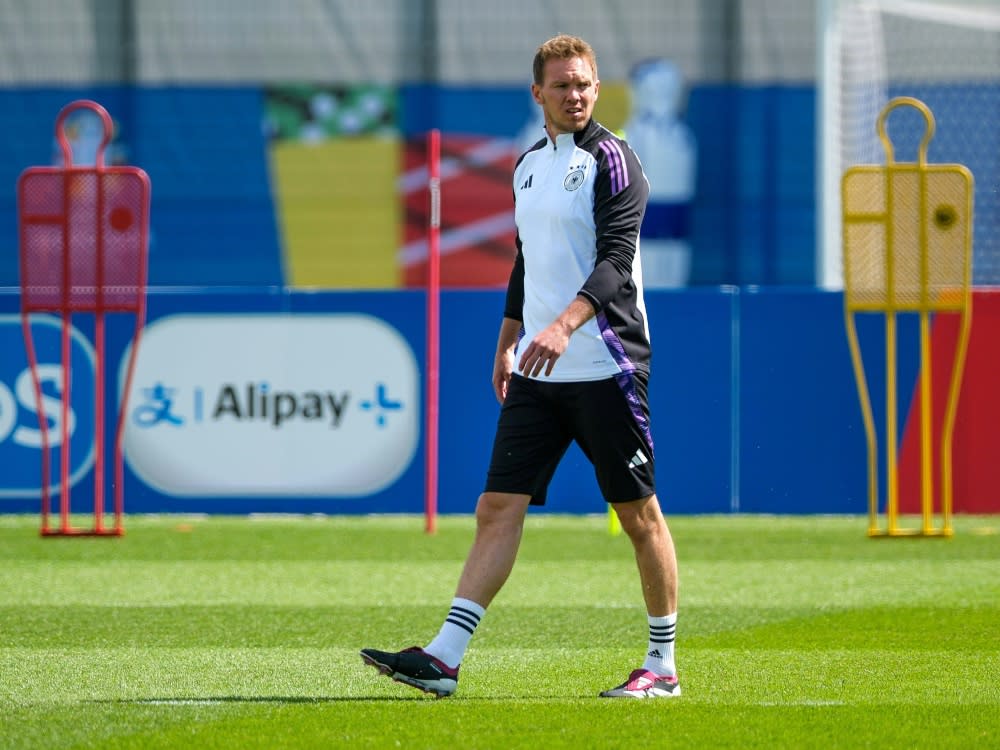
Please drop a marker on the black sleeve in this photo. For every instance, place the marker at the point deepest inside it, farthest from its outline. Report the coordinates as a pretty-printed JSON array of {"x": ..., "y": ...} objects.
[
  {"x": 620, "y": 195},
  {"x": 514, "y": 304}
]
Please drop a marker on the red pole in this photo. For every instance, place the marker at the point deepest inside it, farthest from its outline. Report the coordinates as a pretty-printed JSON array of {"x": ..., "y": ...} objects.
[
  {"x": 99, "y": 339},
  {"x": 67, "y": 396},
  {"x": 433, "y": 331}
]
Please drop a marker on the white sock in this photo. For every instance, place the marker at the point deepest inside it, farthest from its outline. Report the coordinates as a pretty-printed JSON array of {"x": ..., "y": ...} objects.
[
  {"x": 660, "y": 654},
  {"x": 451, "y": 641}
]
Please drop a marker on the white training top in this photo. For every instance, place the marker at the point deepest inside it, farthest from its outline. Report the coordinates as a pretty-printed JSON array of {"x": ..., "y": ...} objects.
[{"x": 578, "y": 207}]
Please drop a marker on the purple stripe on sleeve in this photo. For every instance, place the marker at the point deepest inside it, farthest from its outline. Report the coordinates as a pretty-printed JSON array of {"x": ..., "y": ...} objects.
[
  {"x": 625, "y": 378},
  {"x": 614, "y": 344},
  {"x": 616, "y": 160}
]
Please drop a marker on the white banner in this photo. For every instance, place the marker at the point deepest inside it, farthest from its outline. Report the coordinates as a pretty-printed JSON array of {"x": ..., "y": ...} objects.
[{"x": 284, "y": 405}]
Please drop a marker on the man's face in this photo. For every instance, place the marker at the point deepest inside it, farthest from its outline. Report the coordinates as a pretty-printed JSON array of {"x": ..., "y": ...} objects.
[{"x": 567, "y": 95}]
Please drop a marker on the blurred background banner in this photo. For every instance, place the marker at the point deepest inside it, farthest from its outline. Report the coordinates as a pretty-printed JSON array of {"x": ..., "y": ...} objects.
[{"x": 281, "y": 137}]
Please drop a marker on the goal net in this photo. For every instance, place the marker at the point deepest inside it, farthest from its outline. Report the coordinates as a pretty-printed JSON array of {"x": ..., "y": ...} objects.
[{"x": 947, "y": 54}]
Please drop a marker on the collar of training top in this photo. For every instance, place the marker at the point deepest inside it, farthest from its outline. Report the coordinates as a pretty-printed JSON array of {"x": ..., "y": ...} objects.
[{"x": 592, "y": 127}]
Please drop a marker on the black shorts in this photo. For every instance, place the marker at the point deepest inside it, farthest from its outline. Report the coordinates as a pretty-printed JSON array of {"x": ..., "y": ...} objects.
[{"x": 609, "y": 420}]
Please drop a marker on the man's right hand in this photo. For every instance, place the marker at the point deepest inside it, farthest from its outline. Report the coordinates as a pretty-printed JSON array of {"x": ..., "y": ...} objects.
[{"x": 503, "y": 366}]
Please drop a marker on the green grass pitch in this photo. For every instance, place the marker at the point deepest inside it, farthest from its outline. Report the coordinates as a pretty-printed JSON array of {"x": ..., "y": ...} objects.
[{"x": 795, "y": 632}]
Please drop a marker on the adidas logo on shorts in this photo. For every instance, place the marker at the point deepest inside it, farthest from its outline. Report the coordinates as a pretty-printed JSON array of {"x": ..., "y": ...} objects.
[{"x": 638, "y": 459}]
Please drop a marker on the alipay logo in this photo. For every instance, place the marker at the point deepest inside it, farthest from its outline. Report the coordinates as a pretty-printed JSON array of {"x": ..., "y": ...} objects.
[
  {"x": 256, "y": 402},
  {"x": 156, "y": 407}
]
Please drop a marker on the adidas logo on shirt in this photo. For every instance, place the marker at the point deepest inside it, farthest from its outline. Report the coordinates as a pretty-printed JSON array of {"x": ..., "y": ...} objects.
[{"x": 527, "y": 182}]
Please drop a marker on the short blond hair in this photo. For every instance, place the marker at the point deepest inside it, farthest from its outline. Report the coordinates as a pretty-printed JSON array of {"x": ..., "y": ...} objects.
[{"x": 562, "y": 47}]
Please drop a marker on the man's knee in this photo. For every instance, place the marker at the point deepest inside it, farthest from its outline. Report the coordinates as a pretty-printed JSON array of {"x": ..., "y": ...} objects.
[
  {"x": 501, "y": 508},
  {"x": 640, "y": 518}
]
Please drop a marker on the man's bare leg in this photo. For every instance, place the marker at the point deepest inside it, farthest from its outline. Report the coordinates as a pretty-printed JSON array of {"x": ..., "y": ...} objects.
[
  {"x": 654, "y": 553},
  {"x": 643, "y": 521},
  {"x": 499, "y": 524}
]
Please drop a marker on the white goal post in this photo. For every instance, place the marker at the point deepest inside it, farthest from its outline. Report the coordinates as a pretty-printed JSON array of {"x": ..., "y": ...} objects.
[{"x": 945, "y": 53}]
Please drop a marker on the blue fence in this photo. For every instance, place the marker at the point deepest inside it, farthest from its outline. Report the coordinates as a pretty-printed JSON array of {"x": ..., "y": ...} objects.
[{"x": 280, "y": 401}]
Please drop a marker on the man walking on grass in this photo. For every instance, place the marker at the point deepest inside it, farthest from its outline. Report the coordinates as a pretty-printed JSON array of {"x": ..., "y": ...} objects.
[{"x": 575, "y": 324}]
